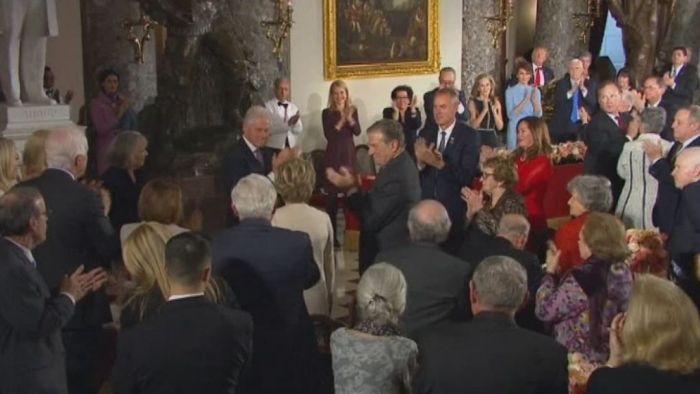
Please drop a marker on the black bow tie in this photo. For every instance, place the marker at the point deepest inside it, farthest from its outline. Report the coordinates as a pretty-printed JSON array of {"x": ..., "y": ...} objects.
[{"x": 282, "y": 104}]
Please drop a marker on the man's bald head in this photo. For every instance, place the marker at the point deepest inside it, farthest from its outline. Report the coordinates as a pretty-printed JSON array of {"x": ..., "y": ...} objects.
[
  {"x": 428, "y": 221},
  {"x": 514, "y": 228},
  {"x": 687, "y": 167}
]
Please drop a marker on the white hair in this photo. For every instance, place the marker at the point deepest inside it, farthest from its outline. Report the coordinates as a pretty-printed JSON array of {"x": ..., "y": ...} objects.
[
  {"x": 381, "y": 294},
  {"x": 254, "y": 113},
  {"x": 63, "y": 146},
  {"x": 254, "y": 197},
  {"x": 428, "y": 221},
  {"x": 500, "y": 282}
]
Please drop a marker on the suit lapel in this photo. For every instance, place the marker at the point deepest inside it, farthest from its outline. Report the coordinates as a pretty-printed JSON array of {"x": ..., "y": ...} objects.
[{"x": 255, "y": 166}]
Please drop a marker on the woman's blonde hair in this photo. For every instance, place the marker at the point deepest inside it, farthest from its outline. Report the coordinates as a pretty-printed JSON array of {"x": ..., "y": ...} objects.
[
  {"x": 504, "y": 170},
  {"x": 34, "y": 155},
  {"x": 161, "y": 201},
  {"x": 338, "y": 83},
  {"x": 295, "y": 180},
  {"x": 8, "y": 162},
  {"x": 605, "y": 236},
  {"x": 662, "y": 327},
  {"x": 541, "y": 143},
  {"x": 475, "y": 87}
]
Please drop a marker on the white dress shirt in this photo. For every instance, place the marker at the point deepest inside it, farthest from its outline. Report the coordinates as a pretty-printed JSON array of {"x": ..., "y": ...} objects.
[{"x": 279, "y": 128}]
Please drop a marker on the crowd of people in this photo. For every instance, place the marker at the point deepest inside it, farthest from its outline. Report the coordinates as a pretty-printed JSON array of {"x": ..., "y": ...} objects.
[{"x": 464, "y": 287}]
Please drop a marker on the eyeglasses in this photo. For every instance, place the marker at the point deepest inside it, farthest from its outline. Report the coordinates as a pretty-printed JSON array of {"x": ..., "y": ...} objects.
[{"x": 485, "y": 175}]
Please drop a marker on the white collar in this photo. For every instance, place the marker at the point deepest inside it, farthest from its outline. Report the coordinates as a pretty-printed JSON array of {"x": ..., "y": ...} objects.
[
  {"x": 689, "y": 140},
  {"x": 64, "y": 170},
  {"x": 448, "y": 132},
  {"x": 182, "y": 296},
  {"x": 252, "y": 147},
  {"x": 678, "y": 68},
  {"x": 25, "y": 250},
  {"x": 656, "y": 104}
]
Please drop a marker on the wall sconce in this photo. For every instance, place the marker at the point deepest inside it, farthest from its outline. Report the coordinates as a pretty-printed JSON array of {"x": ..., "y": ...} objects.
[
  {"x": 498, "y": 24},
  {"x": 277, "y": 30},
  {"x": 142, "y": 21},
  {"x": 584, "y": 21}
]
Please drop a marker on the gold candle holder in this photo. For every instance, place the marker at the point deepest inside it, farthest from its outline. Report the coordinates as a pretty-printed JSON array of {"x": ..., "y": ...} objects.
[
  {"x": 498, "y": 24},
  {"x": 277, "y": 30}
]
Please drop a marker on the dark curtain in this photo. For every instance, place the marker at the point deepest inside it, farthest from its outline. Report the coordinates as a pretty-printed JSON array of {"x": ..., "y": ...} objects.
[{"x": 597, "y": 32}]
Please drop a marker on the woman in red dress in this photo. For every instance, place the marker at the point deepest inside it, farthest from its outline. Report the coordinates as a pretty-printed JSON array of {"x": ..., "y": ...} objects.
[
  {"x": 534, "y": 171},
  {"x": 340, "y": 125}
]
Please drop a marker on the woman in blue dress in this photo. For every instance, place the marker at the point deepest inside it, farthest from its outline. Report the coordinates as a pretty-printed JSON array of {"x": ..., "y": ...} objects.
[{"x": 522, "y": 100}]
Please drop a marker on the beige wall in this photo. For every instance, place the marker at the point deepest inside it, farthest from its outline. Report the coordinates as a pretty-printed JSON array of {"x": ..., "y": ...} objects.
[
  {"x": 65, "y": 54},
  {"x": 310, "y": 90}
]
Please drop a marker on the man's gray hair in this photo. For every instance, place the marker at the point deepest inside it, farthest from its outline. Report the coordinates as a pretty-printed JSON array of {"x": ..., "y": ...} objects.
[
  {"x": 63, "y": 146},
  {"x": 428, "y": 221},
  {"x": 278, "y": 81},
  {"x": 254, "y": 197},
  {"x": 381, "y": 294},
  {"x": 513, "y": 225},
  {"x": 254, "y": 113},
  {"x": 594, "y": 192},
  {"x": 500, "y": 283},
  {"x": 694, "y": 114},
  {"x": 121, "y": 150},
  {"x": 653, "y": 119},
  {"x": 390, "y": 130}
]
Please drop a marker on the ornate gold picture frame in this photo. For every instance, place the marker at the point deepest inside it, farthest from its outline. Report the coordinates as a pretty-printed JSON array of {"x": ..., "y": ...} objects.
[{"x": 366, "y": 38}]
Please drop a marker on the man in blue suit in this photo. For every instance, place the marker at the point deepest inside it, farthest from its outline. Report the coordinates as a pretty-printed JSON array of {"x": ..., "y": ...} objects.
[{"x": 448, "y": 159}]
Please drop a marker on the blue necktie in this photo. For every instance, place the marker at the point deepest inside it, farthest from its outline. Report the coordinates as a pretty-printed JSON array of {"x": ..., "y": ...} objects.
[{"x": 574, "y": 108}]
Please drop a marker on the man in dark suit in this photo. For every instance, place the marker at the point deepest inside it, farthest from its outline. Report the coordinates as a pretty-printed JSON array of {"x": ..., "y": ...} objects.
[
  {"x": 491, "y": 354},
  {"x": 32, "y": 358},
  {"x": 541, "y": 74},
  {"x": 510, "y": 241},
  {"x": 435, "y": 280},
  {"x": 268, "y": 269},
  {"x": 191, "y": 345},
  {"x": 686, "y": 132},
  {"x": 383, "y": 210},
  {"x": 572, "y": 94},
  {"x": 682, "y": 78},
  {"x": 446, "y": 80},
  {"x": 448, "y": 158},
  {"x": 653, "y": 96},
  {"x": 80, "y": 234},
  {"x": 605, "y": 136}
]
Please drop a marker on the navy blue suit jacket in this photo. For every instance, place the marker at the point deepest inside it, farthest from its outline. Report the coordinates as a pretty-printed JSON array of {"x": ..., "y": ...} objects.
[
  {"x": 240, "y": 162},
  {"x": 561, "y": 125},
  {"x": 686, "y": 84}
]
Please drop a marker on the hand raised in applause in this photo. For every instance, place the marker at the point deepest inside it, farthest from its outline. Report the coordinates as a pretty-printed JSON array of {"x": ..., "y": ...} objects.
[
  {"x": 615, "y": 342},
  {"x": 342, "y": 179},
  {"x": 79, "y": 283},
  {"x": 474, "y": 200},
  {"x": 283, "y": 156},
  {"x": 552, "y": 260},
  {"x": 293, "y": 120},
  {"x": 654, "y": 150}
]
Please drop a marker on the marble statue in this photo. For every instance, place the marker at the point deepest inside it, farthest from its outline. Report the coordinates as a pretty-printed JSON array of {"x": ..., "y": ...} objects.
[{"x": 25, "y": 26}]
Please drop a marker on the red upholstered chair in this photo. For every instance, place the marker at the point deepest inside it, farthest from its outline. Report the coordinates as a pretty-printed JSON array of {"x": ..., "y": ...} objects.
[{"x": 556, "y": 199}]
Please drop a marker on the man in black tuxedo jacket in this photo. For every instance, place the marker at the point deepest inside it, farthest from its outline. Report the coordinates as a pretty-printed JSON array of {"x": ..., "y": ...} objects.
[
  {"x": 191, "y": 345},
  {"x": 80, "y": 234},
  {"x": 681, "y": 78},
  {"x": 32, "y": 358},
  {"x": 491, "y": 354},
  {"x": 268, "y": 269},
  {"x": 446, "y": 80},
  {"x": 383, "y": 210},
  {"x": 686, "y": 132},
  {"x": 436, "y": 281},
  {"x": 605, "y": 137},
  {"x": 572, "y": 90},
  {"x": 654, "y": 96},
  {"x": 510, "y": 241},
  {"x": 448, "y": 158}
]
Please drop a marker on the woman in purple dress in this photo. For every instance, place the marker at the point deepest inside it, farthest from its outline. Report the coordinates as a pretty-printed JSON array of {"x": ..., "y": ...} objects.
[{"x": 340, "y": 125}]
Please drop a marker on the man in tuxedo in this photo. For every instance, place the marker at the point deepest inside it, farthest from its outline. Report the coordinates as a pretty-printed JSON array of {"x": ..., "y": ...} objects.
[
  {"x": 447, "y": 154},
  {"x": 491, "y": 354},
  {"x": 605, "y": 136},
  {"x": 653, "y": 96},
  {"x": 686, "y": 132},
  {"x": 191, "y": 345},
  {"x": 268, "y": 269},
  {"x": 285, "y": 126},
  {"x": 80, "y": 234},
  {"x": 541, "y": 74},
  {"x": 446, "y": 80},
  {"x": 383, "y": 210},
  {"x": 31, "y": 352},
  {"x": 573, "y": 94},
  {"x": 510, "y": 241},
  {"x": 682, "y": 78},
  {"x": 436, "y": 281}
]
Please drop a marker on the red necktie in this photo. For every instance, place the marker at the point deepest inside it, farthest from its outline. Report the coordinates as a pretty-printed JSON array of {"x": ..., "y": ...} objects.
[
  {"x": 538, "y": 77},
  {"x": 621, "y": 124}
]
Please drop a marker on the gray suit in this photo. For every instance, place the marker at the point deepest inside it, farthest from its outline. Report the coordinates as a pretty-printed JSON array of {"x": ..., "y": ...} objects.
[{"x": 32, "y": 359}]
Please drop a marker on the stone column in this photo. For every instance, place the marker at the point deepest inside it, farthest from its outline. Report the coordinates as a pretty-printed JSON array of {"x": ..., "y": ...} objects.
[
  {"x": 556, "y": 31},
  {"x": 478, "y": 54}
]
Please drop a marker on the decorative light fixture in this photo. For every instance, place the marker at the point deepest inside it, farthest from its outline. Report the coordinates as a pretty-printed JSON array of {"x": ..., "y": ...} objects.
[
  {"x": 584, "y": 21},
  {"x": 498, "y": 24},
  {"x": 277, "y": 30},
  {"x": 142, "y": 21}
]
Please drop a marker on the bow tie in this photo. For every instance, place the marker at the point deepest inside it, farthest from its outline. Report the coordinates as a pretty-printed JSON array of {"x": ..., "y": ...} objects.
[{"x": 282, "y": 104}]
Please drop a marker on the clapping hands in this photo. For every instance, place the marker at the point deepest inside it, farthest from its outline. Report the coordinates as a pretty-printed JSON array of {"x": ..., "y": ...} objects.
[{"x": 79, "y": 284}]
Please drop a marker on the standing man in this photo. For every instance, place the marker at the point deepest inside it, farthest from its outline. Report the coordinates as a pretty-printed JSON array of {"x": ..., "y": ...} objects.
[
  {"x": 446, "y": 80},
  {"x": 384, "y": 209},
  {"x": 653, "y": 96},
  {"x": 32, "y": 358},
  {"x": 447, "y": 155},
  {"x": 574, "y": 99},
  {"x": 285, "y": 127},
  {"x": 541, "y": 74},
  {"x": 682, "y": 78}
]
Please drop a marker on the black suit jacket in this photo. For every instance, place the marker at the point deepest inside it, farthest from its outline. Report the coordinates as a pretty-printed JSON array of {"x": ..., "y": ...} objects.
[
  {"x": 461, "y": 158},
  {"x": 190, "y": 346},
  {"x": 31, "y": 351},
  {"x": 670, "y": 106},
  {"x": 78, "y": 233},
  {"x": 479, "y": 246},
  {"x": 684, "y": 242},
  {"x": 561, "y": 126},
  {"x": 125, "y": 195},
  {"x": 428, "y": 99},
  {"x": 436, "y": 282},
  {"x": 641, "y": 379},
  {"x": 384, "y": 209},
  {"x": 490, "y": 355},
  {"x": 268, "y": 268},
  {"x": 605, "y": 141},
  {"x": 240, "y": 162},
  {"x": 411, "y": 125},
  {"x": 686, "y": 84}
]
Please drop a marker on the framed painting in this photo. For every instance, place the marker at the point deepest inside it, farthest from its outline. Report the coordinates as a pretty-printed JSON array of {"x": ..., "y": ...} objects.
[{"x": 365, "y": 38}]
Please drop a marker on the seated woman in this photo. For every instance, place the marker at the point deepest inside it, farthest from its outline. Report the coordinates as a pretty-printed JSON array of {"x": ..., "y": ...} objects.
[
  {"x": 34, "y": 155},
  {"x": 144, "y": 260},
  {"x": 404, "y": 110},
  {"x": 486, "y": 207},
  {"x": 655, "y": 346},
  {"x": 589, "y": 193},
  {"x": 583, "y": 303},
  {"x": 123, "y": 179},
  {"x": 9, "y": 165},
  {"x": 373, "y": 357},
  {"x": 295, "y": 182},
  {"x": 485, "y": 112}
]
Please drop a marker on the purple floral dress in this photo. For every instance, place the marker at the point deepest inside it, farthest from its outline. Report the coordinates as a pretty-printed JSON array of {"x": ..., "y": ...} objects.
[{"x": 566, "y": 306}]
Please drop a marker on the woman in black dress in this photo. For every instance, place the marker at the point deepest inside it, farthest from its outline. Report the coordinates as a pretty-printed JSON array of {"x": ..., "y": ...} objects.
[{"x": 485, "y": 111}]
